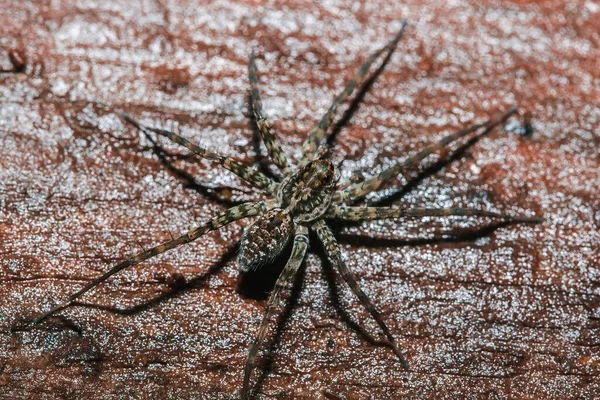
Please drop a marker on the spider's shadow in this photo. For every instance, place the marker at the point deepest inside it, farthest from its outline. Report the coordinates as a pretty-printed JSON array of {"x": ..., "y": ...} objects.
[
  {"x": 167, "y": 161},
  {"x": 430, "y": 170},
  {"x": 266, "y": 364},
  {"x": 59, "y": 322},
  {"x": 356, "y": 102},
  {"x": 258, "y": 283},
  {"x": 188, "y": 180},
  {"x": 175, "y": 290},
  {"x": 456, "y": 236},
  {"x": 330, "y": 277}
]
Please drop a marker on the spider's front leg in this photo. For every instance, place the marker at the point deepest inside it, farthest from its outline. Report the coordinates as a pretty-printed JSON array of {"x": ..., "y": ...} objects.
[
  {"x": 315, "y": 136},
  {"x": 288, "y": 273},
  {"x": 233, "y": 214},
  {"x": 277, "y": 155},
  {"x": 333, "y": 252}
]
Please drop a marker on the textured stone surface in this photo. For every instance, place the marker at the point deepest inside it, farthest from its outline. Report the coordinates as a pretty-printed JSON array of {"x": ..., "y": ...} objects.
[{"x": 512, "y": 311}]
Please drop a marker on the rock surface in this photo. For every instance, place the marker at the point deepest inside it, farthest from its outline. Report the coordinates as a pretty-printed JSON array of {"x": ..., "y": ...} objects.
[{"x": 482, "y": 311}]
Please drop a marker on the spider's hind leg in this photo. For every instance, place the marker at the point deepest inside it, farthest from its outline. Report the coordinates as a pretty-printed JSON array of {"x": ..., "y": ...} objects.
[
  {"x": 233, "y": 214},
  {"x": 288, "y": 273},
  {"x": 331, "y": 248}
]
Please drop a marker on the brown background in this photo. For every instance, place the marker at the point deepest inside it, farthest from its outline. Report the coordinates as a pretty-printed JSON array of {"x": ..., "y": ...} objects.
[{"x": 499, "y": 311}]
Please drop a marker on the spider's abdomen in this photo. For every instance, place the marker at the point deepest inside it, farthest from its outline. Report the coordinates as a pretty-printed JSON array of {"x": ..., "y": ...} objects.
[{"x": 264, "y": 239}]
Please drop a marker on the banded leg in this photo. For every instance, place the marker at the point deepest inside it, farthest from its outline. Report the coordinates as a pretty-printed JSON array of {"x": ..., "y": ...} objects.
[
  {"x": 253, "y": 177},
  {"x": 373, "y": 213},
  {"x": 275, "y": 152},
  {"x": 333, "y": 252},
  {"x": 288, "y": 273},
  {"x": 358, "y": 190},
  {"x": 233, "y": 214},
  {"x": 312, "y": 143}
]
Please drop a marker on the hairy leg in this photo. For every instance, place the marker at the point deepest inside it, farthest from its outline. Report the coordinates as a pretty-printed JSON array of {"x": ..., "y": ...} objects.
[
  {"x": 233, "y": 214},
  {"x": 312, "y": 143},
  {"x": 372, "y": 213},
  {"x": 333, "y": 252},
  {"x": 288, "y": 273},
  {"x": 253, "y": 177},
  {"x": 275, "y": 152},
  {"x": 358, "y": 190}
]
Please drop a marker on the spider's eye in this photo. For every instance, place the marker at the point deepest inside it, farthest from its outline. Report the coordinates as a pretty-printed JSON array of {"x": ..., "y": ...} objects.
[
  {"x": 307, "y": 167},
  {"x": 327, "y": 179}
]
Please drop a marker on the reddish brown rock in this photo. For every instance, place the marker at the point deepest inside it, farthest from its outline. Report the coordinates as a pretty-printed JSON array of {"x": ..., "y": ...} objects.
[{"x": 506, "y": 312}]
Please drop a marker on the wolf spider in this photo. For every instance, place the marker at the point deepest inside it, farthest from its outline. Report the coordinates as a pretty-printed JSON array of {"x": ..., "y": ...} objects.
[{"x": 306, "y": 197}]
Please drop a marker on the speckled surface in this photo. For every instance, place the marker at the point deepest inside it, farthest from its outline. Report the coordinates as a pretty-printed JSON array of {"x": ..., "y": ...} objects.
[{"x": 494, "y": 313}]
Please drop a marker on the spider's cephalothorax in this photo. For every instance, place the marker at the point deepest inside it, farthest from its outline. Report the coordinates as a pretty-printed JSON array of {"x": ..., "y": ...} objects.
[
  {"x": 308, "y": 192},
  {"x": 303, "y": 200}
]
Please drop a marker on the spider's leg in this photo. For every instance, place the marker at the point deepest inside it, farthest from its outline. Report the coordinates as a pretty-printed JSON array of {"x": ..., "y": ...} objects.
[
  {"x": 253, "y": 177},
  {"x": 358, "y": 190},
  {"x": 372, "y": 213},
  {"x": 233, "y": 214},
  {"x": 312, "y": 143},
  {"x": 288, "y": 273},
  {"x": 275, "y": 152},
  {"x": 333, "y": 252}
]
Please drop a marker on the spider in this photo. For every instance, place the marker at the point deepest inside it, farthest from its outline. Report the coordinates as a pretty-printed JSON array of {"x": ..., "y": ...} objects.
[{"x": 306, "y": 197}]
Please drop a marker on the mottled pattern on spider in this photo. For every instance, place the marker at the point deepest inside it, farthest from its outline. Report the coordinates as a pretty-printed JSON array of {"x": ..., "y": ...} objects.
[{"x": 307, "y": 196}]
